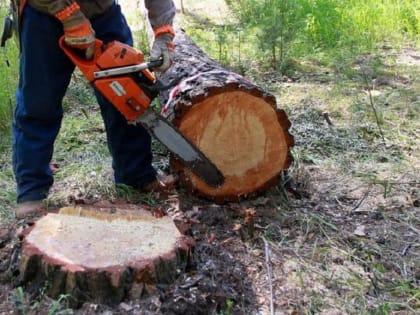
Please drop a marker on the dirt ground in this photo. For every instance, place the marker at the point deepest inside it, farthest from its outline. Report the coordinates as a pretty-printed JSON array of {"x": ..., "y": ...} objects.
[
  {"x": 324, "y": 241},
  {"x": 324, "y": 244}
]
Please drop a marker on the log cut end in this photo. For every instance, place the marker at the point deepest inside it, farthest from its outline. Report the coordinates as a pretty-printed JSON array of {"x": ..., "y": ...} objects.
[
  {"x": 231, "y": 120},
  {"x": 102, "y": 257},
  {"x": 246, "y": 138}
]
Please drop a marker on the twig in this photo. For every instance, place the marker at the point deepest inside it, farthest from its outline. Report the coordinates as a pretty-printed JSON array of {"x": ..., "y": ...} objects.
[
  {"x": 269, "y": 273},
  {"x": 374, "y": 280},
  {"x": 249, "y": 221},
  {"x": 337, "y": 180},
  {"x": 406, "y": 249},
  {"x": 182, "y": 7},
  {"x": 409, "y": 226},
  {"x": 361, "y": 201},
  {"x": 412, "y": 228},
  {"x": 238, "y": 228},
  {"x": 327, "y": 118},
  {"x": 373, "y": 106}
]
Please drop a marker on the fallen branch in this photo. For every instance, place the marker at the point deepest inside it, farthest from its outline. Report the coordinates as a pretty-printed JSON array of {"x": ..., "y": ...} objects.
[
  {"x": 361, "y": 200},
  {"x": 372, "y": 104},
  {"x": 327, "y": 118},
  {"x": 269, "y": 273}
]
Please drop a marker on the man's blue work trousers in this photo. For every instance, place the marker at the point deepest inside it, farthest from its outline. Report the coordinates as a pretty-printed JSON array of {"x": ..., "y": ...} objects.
[{"x": 45, "y": 74}]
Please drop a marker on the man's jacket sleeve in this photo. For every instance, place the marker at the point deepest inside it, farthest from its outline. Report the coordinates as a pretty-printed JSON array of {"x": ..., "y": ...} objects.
[
  {"x": 88, "y": 8},
  {"x": 161, "y": 12},
  {"x": 49, "y": 6}
]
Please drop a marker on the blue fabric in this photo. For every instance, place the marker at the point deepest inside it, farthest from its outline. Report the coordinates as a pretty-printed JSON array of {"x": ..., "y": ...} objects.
[{"x": 44, "y": 76}]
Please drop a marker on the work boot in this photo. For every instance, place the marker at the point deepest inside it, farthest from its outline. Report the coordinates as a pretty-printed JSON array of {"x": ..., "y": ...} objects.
[
  {"x": 161, "y": 183},
  {"x": 29, "y": 209}
]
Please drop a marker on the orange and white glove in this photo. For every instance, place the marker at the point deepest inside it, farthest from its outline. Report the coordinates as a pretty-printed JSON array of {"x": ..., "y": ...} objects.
[
  {"x": 78, "y": 32},
  {"x": 163, "y": 47}
]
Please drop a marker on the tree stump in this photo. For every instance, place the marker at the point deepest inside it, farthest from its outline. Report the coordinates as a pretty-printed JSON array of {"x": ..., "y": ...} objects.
[
  {"x": 234, "y": 123},
  {"x": 102, "y": 255}
]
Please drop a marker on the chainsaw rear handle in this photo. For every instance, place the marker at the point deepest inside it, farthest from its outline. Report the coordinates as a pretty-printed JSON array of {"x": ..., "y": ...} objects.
[
  {"x": 90, "y": 67},
  {"x": 87, "y": 67}
]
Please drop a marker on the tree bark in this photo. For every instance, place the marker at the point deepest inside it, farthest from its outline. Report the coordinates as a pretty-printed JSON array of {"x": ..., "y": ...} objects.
[
  {"x": 231, "y": 120},
  {"x": 102, "y": 255}
]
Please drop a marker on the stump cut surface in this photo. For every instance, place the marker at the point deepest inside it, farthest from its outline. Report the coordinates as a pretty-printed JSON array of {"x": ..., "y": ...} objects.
[
  {"x": 102, "y": 257},
  {"x": 81, "y": 243}
]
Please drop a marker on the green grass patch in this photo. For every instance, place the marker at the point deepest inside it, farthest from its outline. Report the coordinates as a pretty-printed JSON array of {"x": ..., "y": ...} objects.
[
  {"x": 330, "y": 31},
  {"x": 8, "y": 77}
]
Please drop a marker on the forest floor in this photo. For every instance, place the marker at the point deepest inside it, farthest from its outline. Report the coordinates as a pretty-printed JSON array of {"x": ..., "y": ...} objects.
[{"x": 340, "y": 234}]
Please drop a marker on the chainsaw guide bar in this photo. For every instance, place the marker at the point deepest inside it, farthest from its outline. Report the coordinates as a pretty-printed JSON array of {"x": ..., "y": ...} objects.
[{"x": 182, "y": 149}]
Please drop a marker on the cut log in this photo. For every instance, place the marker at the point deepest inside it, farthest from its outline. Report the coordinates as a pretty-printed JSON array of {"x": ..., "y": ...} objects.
[
  {"x": 231, "y": 120},
  {"x": 102, "y": 256}
]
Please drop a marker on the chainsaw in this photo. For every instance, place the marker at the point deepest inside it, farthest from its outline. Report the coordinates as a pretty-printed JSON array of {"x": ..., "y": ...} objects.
[{"x": 119, "y": 73}]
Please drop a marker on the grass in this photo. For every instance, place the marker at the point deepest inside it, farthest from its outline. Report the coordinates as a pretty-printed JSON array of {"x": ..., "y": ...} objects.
[
  {"x": 7, "y": 185},
  {"x": 8, "y": 80},
  {"x": 21, "y": 305},
  {"x": 334, "y": 268},
  {"x": 355, "y": 180},
  {"x": 328, "y": 31}
]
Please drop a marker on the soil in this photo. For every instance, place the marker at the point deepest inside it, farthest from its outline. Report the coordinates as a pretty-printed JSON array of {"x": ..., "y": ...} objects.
[
  {"x": 315, "y": 221},
  {"x": 318, "y": 239}
]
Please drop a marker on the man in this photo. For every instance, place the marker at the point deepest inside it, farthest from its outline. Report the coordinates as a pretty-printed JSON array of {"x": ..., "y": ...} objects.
[{"x": 44, "y": 76}]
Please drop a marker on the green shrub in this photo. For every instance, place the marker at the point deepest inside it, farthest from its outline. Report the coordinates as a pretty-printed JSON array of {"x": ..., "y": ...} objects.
[{"x": 274, "y": 23}]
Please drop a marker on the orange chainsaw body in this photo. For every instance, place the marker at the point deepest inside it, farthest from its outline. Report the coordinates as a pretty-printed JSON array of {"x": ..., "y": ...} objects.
[
  {"x": 121, "y": 90},
  {"x": 118, "y": 72}
]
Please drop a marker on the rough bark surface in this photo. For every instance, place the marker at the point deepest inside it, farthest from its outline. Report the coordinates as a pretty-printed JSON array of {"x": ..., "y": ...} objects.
[
  {"x": 234, "y": 123},
  {"x": 102, "y": 256}
]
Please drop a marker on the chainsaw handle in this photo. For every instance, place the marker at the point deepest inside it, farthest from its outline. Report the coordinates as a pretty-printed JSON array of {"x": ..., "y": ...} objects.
[
  {"x": 88, "y": 67},
  {"x": 154, "y": 64},
  {"x": 76, "y": 55}
]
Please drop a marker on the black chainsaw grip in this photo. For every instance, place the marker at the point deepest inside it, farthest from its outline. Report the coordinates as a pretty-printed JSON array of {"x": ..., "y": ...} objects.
[{"x": 154, "y": 64}]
